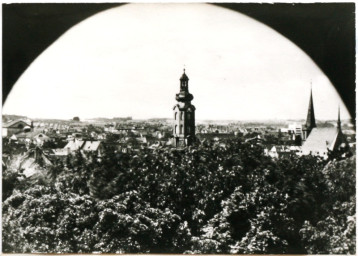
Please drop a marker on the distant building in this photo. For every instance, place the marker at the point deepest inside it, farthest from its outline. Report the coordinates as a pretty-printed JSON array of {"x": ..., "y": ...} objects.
[
  {"x": 214, "y": 136},
  {"x": 36, "y": 137},
  {"x": 184, "y": 115},
  {"x": 295, "y": 130},
  {"x": 76, "y": 145},
  {"x": 16, "y": 126},
  {"x": 279, "y": 151},
  {"x": 241, "y": 132}
]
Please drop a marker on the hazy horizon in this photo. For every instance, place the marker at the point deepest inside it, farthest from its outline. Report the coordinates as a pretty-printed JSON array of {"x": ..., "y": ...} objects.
[{"x": 170, "y": 118}]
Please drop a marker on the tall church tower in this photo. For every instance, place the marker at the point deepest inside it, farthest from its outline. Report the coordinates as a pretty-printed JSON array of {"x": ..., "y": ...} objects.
[
  {"x": 184, "y": 115},
  {"x": 310, "y": 121}
]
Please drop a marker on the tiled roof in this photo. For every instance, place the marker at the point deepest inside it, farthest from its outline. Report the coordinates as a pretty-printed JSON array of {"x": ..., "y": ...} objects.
[
  {"x": 319, "y": 140},
  {"x": 12, "y": 123},
  {"x": 91, "y": 145},
  {"x": 28, "y": 134},
  {"x": 74, "y": 145}
]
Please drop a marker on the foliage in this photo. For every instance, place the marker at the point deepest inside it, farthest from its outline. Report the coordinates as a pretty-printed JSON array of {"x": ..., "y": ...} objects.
[
  {"x": 43, "y": 219},
  {"x": 56, "y": 143},
  {"x": 213, "y": 198},
  {"x": 11, "y": 179},
  {"x": 254, "y": 222},
  {"x": 335, "y": 231}
]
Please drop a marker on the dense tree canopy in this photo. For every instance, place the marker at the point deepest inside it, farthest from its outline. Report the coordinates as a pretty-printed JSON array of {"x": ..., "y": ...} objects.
[{"x": 225, "y": 198}]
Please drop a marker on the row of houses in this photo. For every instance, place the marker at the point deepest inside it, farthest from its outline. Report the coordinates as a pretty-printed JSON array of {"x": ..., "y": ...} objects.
[
  {"x": 79, "y": 145},
  {"x": 279, "y": 151}
]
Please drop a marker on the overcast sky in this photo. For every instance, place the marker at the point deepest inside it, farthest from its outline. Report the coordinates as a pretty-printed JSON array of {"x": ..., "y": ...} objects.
[{"x": 127, "y": 61}]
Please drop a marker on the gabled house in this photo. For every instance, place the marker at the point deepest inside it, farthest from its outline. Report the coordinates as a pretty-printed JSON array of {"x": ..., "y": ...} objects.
[
  {"x": 80, "y": 145},
  {"x": 36, "y": 137},
  {"x": 15, "y": 127},
  {"x": 279, "y": 151}
]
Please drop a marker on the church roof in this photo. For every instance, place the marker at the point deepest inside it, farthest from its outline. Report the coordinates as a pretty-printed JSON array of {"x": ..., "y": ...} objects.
[{"x": 319, "y": 140}]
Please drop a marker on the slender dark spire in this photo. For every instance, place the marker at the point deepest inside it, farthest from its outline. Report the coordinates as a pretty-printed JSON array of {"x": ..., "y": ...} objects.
[
  {"x": 310, "y": 121},
  {"x": 339, "y": 118}
]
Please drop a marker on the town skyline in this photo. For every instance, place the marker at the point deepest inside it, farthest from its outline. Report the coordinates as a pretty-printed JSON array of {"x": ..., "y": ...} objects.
[{"x": 170, "y": 118}]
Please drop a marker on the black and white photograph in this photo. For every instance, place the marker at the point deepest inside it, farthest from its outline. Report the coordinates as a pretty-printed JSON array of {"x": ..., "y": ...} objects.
[{"x": 178, "y": 128}]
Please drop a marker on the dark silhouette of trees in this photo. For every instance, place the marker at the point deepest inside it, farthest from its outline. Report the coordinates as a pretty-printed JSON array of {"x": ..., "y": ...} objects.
[{"x": 212, "y": 198}]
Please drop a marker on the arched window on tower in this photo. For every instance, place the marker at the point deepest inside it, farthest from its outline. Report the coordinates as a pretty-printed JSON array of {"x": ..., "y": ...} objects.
[
  {"x": 181, "y": 115},
  {"x": 188, "y": 129},
  {"x": 188, "y": 115},
  {"x": 181, "y": 129},
  {"x": 175, "y": 115}
]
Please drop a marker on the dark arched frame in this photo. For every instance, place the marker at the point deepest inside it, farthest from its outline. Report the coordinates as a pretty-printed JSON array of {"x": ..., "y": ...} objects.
[{"x": 325, "y": 31}]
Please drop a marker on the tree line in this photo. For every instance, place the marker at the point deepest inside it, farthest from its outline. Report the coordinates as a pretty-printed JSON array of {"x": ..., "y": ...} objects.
[{"x": 204, "y": 199}]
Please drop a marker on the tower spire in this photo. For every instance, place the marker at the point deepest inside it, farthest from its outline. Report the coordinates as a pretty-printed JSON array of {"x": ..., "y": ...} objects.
[
  {"x": 339, "y": 118},
  {"x": 311, "y": 120}
]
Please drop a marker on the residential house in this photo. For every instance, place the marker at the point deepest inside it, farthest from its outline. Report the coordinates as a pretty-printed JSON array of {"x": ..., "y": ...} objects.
[{"x": 15, "y": 127}]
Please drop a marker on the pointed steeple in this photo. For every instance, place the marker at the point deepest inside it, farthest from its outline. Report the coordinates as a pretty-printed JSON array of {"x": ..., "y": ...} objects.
[
  {"x": 311, "y": 120},
  {"x": 339, "y": 119}
]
